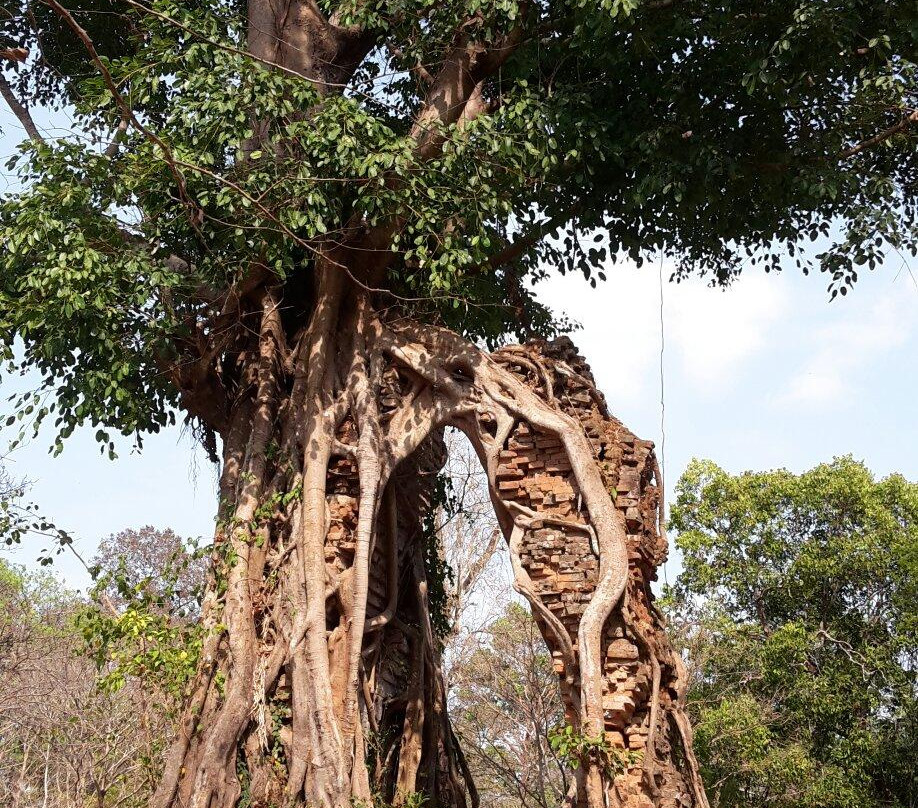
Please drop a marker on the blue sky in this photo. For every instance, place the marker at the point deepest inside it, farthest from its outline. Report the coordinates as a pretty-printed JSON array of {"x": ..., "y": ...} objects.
[{"x": 766, "y": 374}]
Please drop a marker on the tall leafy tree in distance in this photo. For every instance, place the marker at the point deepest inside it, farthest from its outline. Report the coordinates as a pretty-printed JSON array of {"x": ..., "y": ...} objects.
[
  {"x": 269, "y": 216},
  {"x": 166, "y": 567},
  {"x": 798, "y": 606}
]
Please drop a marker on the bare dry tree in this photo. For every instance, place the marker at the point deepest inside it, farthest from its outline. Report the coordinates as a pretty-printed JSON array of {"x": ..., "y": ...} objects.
[{"x": 64, "y": 741}]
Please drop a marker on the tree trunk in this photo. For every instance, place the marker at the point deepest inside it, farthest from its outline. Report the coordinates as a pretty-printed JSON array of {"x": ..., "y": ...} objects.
[{"x": 320, "y": 680}]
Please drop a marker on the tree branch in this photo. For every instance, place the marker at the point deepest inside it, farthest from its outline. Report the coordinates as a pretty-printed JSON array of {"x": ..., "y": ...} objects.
[
  {"x": 904, "y": 123},
  {"x": 299, "y": 36},
  {"x": 19, "y": 110},
  {"x": 111, "y": 150},
  {"x": 886, "y": 134},
  {"x": 517, "y": 248},
  {"x": 215, "y": 43},
  {"x": 126, "y": 111},
  {"x": 462, "y": 74}
]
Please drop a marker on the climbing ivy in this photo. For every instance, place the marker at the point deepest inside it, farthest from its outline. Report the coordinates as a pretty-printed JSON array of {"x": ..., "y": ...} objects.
[{"x": 440, "y": 575}]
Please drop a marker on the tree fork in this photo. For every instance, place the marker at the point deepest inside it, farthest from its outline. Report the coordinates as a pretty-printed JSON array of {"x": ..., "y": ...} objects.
[{"x": 321, "y": 681}]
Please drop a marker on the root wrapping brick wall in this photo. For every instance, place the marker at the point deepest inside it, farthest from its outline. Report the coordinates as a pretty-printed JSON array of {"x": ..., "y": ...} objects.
[
  {"x": 535, "y": 472},
  {"x": 643, "y": 679}
]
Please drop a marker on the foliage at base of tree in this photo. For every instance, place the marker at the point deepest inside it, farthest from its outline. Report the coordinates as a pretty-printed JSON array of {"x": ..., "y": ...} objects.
[{"x": 797, "y": 610}]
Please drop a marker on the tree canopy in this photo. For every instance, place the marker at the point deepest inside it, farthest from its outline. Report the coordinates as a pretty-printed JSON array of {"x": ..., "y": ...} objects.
[
  {"x": 798, "y": 605},
  {"x": 463, "y": 149},
  {"x": 261, "y": 217}
]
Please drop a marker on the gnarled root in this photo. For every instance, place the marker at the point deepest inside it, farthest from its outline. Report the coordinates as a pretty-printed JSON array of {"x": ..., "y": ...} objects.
[{"x": 321, "y": 680}]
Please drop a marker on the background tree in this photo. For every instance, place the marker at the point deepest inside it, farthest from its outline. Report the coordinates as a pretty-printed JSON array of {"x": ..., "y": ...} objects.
[
  {"x": 507, "y": 704},
  {"x": 64, "y": 741},
  {"x": 141, "y": 624},
  {"x": 90, "y": 688},
  {"x": 796, "y": 613},
  {"x": 266, "y": 215},
  {"x": 157, "y": 564},
  {"x": 479, "y": 583},
  {"x": 797, "y": 605},
  {"x": 504, "y": 697}
]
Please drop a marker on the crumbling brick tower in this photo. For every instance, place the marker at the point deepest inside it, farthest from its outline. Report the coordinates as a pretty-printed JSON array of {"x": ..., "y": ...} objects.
[{"x": 556, "y": 565}]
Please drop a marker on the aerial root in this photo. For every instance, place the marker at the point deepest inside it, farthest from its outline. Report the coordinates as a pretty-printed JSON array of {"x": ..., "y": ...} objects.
[
  {"x": 295, "y": 603},
  {"x": 470, "y": 380}
]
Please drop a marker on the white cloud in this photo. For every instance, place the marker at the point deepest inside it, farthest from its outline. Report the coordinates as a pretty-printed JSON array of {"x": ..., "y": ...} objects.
[
  {"x": 710, "y": 333},
  {"x": 716, "y": 331},
  {"x": 813, "y": 386},
  {"x": 859, "y": 336}
]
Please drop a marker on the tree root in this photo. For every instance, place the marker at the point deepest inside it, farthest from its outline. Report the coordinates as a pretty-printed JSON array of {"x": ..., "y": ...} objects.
[{"x": 297, "y": 682}]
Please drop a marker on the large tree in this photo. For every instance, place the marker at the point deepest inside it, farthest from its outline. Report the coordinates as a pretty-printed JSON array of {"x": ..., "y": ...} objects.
[
  {"x": 267, "y": 219},
  {"x": 798, "y": 608}
]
